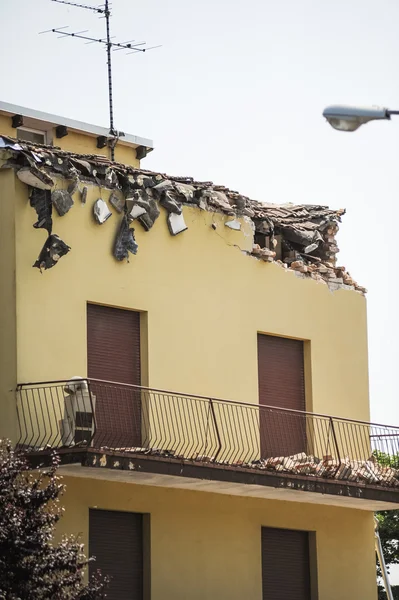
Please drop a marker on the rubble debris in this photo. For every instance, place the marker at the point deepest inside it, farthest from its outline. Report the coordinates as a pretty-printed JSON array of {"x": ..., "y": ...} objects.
[
  {"x": 139, "y": 197},
  {"x": 187, "y": 192},
  {"x": 364, "y": 471},
  {"x": 306, "y": 233},
  {"x": 162, "y": 187},
  {"x": 136, "y": 211},
  {"x": 6, "y": 142},
  {"x": 355, "y": 471},
  {"x": 111, "y": 178},
  {"x": 40, "y": 200},
  {"x": 54, "y": 248},
  {"x": 148, "y": 219},
  {"x": 59, "y": 164},
  {"x": 62, "y": 201},
  {"x": 218, "y": 200},
  {"x": 101, "y": 211},
  {"x": 169, "y": 202},
  {"x": 73, "y": 186},
  {"x": 202, "y": 204},
  {"x": 138, "y": 204},
  {"x": 124, "y": 241},
  {"x": 310, "y": 248},
  {"x": 117, "y": 201},
  {"x": 82, "y": 165},
  {"x": 83, "y": 195},
  {"x": 35, "y": 178},
  {"x": 176, "y": 223},
  {"x": 233, "y": 224}
]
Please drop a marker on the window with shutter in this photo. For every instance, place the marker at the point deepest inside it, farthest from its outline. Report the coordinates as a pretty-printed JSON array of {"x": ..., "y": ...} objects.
[
  {"x": 281, "y": 384},
  {"x": 116, "y": 542},
  {"x": 285, "y": 564},
  {"x": 113, "y": 354}
]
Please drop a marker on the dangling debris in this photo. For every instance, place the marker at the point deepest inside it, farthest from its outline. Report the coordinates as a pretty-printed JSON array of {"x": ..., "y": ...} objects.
[
  {"x": 139, "y": 197},
  {"x": 148, "y": 219},
  {"x": 299, "y": 238},
  {"x": 73, "y": 186},
  {"x": 136, "y": 212},
  {"x": 169, "y": 202},
  {"x": 35, "y": 178},
  {"x": 62, "y": 201},
  {"x": 101, "y": 211},
  {"x": 83, "y": 195},
  {"x": 234, "y": 224},
  {"x": 117, "y": 201},
  {"x": 218, "y": 200},
  {"x": 186, "y": 191},
  {"x": 145, "y": 181},
  {"x": 176, "y": 223},
  {"x": 40, "y": 200},
  {"x": 162, "y": 187},
  {"x": 310, "y": 248},
  {"x": 51, "y": 252},
  {"x": 111, "y": 178},
  {"x": 124, "y": 241}
]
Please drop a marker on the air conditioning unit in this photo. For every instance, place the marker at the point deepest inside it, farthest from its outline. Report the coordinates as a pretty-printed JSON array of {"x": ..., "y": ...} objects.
[{"x": 77, "y": 425}]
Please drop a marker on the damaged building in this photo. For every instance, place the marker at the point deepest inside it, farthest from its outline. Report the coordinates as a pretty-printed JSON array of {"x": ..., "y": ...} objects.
[
  {"x": 301, "y": 238},
  {"x": 198, "y": 360}
]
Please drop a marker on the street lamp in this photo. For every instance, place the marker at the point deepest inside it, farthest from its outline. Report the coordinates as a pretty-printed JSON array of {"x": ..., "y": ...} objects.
[{"x": 349, "y": 118}]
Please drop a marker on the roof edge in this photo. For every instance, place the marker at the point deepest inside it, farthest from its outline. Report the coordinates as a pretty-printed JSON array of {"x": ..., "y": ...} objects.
[{"x": 72, "y": 124}]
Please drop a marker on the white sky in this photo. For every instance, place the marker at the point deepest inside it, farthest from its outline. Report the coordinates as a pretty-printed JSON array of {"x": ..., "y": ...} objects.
[{"x": 235, "y": 95}]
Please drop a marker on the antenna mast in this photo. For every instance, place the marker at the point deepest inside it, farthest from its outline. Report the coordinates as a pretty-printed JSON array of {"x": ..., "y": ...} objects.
[
  {"x": 107, "y": 15},
  {"x": 105, "y": 12}
]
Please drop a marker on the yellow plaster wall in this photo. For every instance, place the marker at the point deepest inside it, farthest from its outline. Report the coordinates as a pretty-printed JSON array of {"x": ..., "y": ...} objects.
[
  {"x": 205, "y": 298},
  {"x": 206, "y": 546},
  {"x": 79, "y": 142},
  {"x": 5, "y": 126},
  {"x": 82, "y": 143},
  {"x": 8, "y": 327},
  {"x": 126, "y": 155}
]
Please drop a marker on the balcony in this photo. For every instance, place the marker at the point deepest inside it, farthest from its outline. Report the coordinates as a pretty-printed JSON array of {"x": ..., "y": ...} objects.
[{"x": 114, "y": 431}]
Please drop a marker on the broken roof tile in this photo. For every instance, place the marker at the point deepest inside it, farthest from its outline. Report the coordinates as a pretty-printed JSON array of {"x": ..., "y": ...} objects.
[
  {"x": 35, "y": 177},
  {"x": 124, "y": 241},
  {"x": 40, "y": 200},
  {"x": 54, "y": 248},
  {"x": 62, "y": 201},
  {"x": 101, "y": 211},
  {"x": 117, "y": 201},
  {"x": 176, "y": 223},
  {"x": 306, "y": 232}
]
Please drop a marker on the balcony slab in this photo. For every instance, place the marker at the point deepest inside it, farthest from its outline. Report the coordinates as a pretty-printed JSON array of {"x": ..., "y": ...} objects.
[{"x": 231, "y": 480}]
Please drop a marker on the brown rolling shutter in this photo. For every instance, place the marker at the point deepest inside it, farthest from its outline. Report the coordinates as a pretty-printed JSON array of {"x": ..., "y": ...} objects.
[
  {"x": 281, "y": 384},
  {"x": 285, "y": 564},
  {"x": 113, "y": 354},
  {"x": 116, "y": 541}
]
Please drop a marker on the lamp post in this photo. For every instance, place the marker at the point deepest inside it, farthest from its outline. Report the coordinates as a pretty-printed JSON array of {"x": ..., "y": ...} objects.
[{"x": 350, "y": 118}]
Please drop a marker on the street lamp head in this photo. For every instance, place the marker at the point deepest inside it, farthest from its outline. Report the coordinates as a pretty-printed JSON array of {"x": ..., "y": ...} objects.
[{"x": 349, "y": 118}]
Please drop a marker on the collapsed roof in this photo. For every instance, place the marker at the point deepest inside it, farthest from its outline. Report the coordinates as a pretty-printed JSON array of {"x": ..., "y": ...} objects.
[{"x": 297, "y": 237}]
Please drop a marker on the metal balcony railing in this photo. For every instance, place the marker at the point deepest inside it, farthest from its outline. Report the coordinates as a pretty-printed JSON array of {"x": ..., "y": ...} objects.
[{"x": 130, "y": 419}]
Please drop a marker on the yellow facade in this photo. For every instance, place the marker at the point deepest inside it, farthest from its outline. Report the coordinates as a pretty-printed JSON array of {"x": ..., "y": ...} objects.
[
  {"x": 79, "y": 141},
  {"x": 203, "y": 301},
  {"x": 210, "y": 290},
  {"x": 208, "y": 546}
]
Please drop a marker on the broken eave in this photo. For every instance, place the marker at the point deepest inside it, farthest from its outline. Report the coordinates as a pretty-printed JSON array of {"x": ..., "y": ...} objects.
[{"x": 301, "y": 238}]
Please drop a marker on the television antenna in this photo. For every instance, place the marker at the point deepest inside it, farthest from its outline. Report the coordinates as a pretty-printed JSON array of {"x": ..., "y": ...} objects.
[{"x": 131, "y": 46}]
